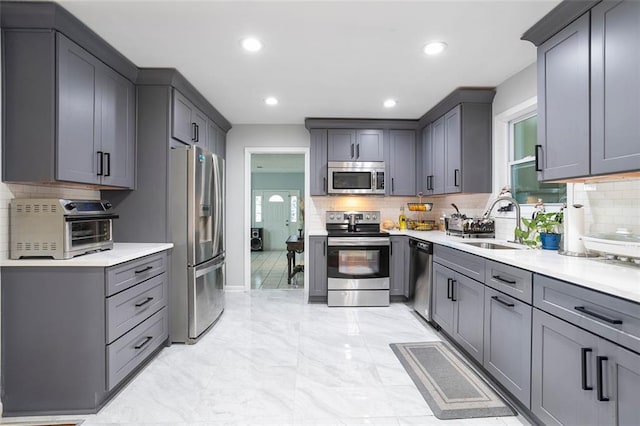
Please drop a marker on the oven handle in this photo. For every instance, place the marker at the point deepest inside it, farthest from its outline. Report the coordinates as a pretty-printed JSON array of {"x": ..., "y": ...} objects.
[
  {"x": 90, "y": 217},
  {"x": 357, "y": 241}
]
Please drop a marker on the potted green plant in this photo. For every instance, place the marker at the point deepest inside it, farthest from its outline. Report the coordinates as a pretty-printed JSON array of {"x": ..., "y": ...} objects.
[{"x": 543, "y": 229}]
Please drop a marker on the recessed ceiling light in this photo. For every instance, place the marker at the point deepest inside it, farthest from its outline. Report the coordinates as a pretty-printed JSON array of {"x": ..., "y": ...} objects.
[
  {"x": 434, "y": 47},
  {"x": 251, "y": 44},
  {"x": 271, "y": 101},
  {"x": 390, "y": 103}
]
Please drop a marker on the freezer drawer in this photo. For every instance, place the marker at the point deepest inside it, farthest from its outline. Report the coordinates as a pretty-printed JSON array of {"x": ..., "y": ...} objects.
[{"x": 206, "y": 295}]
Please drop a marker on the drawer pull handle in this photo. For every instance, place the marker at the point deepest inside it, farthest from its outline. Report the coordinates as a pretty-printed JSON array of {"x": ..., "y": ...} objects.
[
  {"x": 147, "y": 300},
  {"x": 143, "y": 343},
  {"x": 599, "y": 361},
  {"x": 504, "y": 280},
  {"x": 139, "y": 271},
  {"x": 583, "y": 361},
  {"x": 507, "y": 304},
  {"x": 597, "y": 315}
]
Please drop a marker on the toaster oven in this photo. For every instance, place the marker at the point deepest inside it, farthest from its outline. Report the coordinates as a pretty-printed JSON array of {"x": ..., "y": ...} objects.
[{"x": 59, "y": 228}]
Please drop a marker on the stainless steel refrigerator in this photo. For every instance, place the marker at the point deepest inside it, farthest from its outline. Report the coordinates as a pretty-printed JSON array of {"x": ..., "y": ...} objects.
[{"x": 197, "y": 223}]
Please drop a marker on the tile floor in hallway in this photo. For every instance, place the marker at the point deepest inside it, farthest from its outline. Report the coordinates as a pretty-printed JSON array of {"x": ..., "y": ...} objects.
[
  {"x": 269, "y": 270},
  {"x": 273, "y": 359}
]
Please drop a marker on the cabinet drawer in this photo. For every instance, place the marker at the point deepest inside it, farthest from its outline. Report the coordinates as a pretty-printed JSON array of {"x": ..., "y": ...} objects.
[
  {"x": 128, "y": 274},
  {"x": 513, "y": 281},
  {"x": 465, "y": 263},
  {"x": 127, "y": 309},
  {"x": 615, "y": 319},
  {"x": 126, "y": 353}
]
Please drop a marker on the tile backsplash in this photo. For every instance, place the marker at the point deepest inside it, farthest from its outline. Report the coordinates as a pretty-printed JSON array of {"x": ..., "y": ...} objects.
[
  {"x": 609, "y": 205},
  {"x": 10, "y": 191}
]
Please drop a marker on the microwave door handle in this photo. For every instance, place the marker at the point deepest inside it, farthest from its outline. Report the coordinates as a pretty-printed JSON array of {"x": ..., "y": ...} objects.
[{"x": 374, "y": 184}]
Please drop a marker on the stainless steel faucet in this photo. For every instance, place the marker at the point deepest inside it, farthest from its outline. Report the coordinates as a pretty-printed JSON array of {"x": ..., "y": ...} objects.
[{"x": 518, "y": 219}]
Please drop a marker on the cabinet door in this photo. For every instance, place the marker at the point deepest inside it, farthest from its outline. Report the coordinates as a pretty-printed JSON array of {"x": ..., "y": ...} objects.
[
  {"x": 78, "y": 129},
  {"x": 557, "y": 378},
  {"x": 425, "y": 180},
  {"x": 318, "y": 267},
  {"x": 200, "y": 128},
  {"x": 341, "y": 145},
  {"x": 369, "y": 145},
  {"x": 441, "y": 297},
  {"x": 468, "y": 330},
  {"x": 621, "y": 384},
  {"x": 398, "y": 266},
  {"x": 221, "y": 143},
  {"x": 507, "y": 343},
  {"x": 615, "y": 87},
  {"x": 438, "y": 157},
  {"x": 563, "y": 103},
  {"x": 183, "y": 128},
  {"x": 117, "y": 128},
  {"x": 453, "y": 151},
  {"x": 318, "y": 163},
  {"x": 212, "y": 136},
  {"x": 402, "y": 155}
]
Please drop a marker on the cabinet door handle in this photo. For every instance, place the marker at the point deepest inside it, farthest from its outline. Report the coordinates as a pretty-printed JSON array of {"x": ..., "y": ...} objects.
[
  {"x": 538, "y": 148},
  {"x": 507, "y": 304},
  {"x": 456, "y": 177},
  {"x": 325, "y": 184},
  {"x": 392, "y": 186},
  {"x": 583, "y": 362},
  {"x": 453, "y": 290},
  {"x": 357, "y": 151},
  {"x": 139, "y": 271},
  {"x": 143, "y": 343},
  {"x": 324, "y": 248},
  {"x": 449, "y": 288},
  {"x": 107, "y": 157},
  {"x": 600, "y": 376},
  {"x": 390, "y": 248},
  {"x": 351, "y": 150},
  {"x": 597, "y": 315},
  {"x": 504, "y": 280},
  {"x": 147, "y": 300},
  {"x": 100, "y": 163},
  {"x": 193, "y": 131},
  {"x": 430, "y": 183}
]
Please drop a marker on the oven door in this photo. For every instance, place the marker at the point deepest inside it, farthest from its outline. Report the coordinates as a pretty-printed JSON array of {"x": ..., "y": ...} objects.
[{"x": 356, "y": 262}]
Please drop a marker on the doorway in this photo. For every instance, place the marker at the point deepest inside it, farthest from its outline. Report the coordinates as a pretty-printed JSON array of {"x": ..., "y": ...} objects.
[{"x": 277, "y": 205}]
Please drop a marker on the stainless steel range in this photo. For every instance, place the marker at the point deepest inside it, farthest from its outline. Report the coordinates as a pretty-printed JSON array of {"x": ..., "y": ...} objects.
[{"x": 357, "y": 259}]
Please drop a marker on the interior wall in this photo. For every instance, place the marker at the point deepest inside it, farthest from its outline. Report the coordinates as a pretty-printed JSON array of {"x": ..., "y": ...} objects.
[
  {"x": 240, "y": 138},
  {"x": 293, "y": 181}
]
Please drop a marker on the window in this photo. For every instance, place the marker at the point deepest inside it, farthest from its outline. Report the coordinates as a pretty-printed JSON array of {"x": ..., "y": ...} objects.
[
  {"x": 523, "y": 134},
  {"x": 275, "y": 198},
  {"x": 258, "y": 207},
  {"x": 294, "y": 209}
]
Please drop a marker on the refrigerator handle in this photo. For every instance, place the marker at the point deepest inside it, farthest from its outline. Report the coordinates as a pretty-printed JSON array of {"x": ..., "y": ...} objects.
[{"x": 217, "y": 202}]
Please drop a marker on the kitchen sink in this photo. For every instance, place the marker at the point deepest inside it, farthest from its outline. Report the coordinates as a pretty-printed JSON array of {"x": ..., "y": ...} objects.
[{"x": 495, "y": 246}]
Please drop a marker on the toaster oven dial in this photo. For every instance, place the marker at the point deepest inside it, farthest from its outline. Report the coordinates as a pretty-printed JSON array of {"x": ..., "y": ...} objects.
[{"x": 70, "y": 206}]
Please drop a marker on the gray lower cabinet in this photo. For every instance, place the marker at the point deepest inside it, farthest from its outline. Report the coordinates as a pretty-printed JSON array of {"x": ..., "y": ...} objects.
[
  {"x": 317, "y": 269},
  {"x": 72, "y": 335},
  {"x": 402, "y": 162},
  {"x": 398, "y": 272},
  {"x": 318, "y": 162},
  {"x": 507, "y": 342},
  {"x": 355, "y": 145},
  {"x": 458, "y": 308},
  {"x": 615, "y": 87},
  {"x": 69, "y": 107}
]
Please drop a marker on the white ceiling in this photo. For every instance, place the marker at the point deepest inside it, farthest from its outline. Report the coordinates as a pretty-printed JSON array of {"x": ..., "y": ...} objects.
[{"x": 321, "y": 58}]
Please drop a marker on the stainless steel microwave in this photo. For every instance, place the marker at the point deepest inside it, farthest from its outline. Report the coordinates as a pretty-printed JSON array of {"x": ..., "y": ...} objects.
[{"x": 355, "y": 177}]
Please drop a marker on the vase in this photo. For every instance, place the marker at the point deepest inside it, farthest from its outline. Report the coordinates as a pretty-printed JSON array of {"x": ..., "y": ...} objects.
[{"x": 550, "y": 241}]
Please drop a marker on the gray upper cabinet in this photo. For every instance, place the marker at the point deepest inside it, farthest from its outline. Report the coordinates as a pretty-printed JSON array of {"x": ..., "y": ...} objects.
[
  {"x": 402, "y": 167},
  {"x": 318, "y": 164},
  {"x": 318, "y": 268},
  {"x": 453, "y": 151},
  {"x": 189, "y": 123},
  {"x": 355, "y": 145},
  {"x": 221, "y": 143},
  {"x": 615, "y": 87},
  {"x": 437, "y": 159},
  {"x": 75, "y": 112},
  {"x": 216, "y": 139},
  {"x": 563, "y": 103},
  {"x": 424, "y": 179}
]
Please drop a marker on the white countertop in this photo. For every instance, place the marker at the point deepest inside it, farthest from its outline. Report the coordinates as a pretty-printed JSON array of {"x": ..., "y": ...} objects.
[
  {"x": 594, "y": 273},
  {"x": 122, "y": 252}
]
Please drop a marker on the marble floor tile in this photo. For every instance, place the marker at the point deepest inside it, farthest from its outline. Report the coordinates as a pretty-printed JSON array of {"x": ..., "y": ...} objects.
[{"x": 272, "y": 359}]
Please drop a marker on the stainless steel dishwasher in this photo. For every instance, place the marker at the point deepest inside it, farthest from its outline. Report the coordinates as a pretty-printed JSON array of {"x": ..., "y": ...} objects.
[{"x": 420, "y": 276}]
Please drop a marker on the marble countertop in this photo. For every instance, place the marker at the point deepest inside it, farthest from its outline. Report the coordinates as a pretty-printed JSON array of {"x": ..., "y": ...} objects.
[
  {"x": 122, "y": 252},
  {"x": 594, "y": 273}
]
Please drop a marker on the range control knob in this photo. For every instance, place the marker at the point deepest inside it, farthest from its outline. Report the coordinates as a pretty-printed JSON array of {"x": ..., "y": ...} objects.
[
  {"x": 367, "y": 217},
  {"x": 374, "y": 217},
  {"x": 331, "y": 217},
  {"x": 70, "y": 206}
]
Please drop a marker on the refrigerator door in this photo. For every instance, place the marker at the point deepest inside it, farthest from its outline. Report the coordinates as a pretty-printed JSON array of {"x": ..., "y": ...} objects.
[
  {"x": 206, "y": 295},
  {"x": 200, "y": 208},
  {"x": 218, "y": 205}
]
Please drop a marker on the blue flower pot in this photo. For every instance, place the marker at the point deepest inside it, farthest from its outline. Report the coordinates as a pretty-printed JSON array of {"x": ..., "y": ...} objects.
[{"x": 550, "y": 241}]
